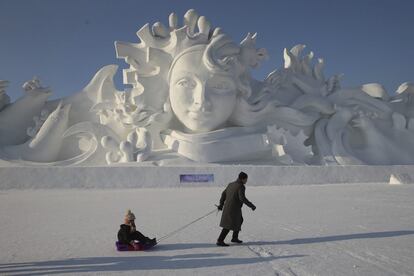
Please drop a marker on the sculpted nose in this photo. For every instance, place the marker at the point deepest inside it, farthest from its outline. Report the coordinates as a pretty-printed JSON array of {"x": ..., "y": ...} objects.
[
  {"x": 200, "y": 99},
  {"x": 199, "y": 95}
]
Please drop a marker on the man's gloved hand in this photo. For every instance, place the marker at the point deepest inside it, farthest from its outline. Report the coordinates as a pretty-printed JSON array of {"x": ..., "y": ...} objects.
[
  {"x": 219, "y": 207},
  {"x": 253, "y": 207}
]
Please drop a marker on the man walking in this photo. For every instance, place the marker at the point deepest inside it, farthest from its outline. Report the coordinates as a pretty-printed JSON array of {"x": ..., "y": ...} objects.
[{"x": 231, "y": 202}]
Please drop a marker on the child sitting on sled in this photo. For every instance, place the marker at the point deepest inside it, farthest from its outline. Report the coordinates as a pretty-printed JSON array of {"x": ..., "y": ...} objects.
[{"x": 128, "y": 233}]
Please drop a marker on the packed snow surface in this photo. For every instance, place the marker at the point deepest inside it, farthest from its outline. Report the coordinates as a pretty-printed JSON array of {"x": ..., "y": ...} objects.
[{"x": 346, "y": 229}]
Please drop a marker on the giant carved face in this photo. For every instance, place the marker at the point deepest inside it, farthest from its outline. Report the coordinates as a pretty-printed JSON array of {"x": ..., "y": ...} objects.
[{"x": 202, "y": 99}]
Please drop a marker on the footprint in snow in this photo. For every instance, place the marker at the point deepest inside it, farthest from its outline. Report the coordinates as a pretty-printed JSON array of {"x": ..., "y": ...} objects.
[{"x": 260, "y": 251}]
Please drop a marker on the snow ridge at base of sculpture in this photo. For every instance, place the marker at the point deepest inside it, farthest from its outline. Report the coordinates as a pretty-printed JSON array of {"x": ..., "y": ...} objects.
[{"x": 192, "y": 99}]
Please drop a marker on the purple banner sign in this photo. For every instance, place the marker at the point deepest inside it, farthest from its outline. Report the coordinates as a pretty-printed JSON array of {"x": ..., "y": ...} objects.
[{"x": 196, "y": 178}]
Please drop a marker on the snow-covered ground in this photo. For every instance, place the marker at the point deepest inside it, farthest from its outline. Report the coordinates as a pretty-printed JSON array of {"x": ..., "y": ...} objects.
[{"x": 352, "y": 229}]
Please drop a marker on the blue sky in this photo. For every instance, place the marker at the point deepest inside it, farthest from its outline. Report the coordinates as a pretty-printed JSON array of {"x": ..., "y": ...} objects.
[{"x": 66, "y": 42}]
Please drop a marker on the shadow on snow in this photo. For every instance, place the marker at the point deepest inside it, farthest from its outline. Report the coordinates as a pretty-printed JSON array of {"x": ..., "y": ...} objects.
[
  {"x": 187, "y": 261},
  {"x": 371, "y": 235},
  {"x": 108, "y": 264}
]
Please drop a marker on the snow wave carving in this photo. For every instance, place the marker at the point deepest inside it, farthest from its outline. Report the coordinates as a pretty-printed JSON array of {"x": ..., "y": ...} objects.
[{"x": 191, "y": 98}]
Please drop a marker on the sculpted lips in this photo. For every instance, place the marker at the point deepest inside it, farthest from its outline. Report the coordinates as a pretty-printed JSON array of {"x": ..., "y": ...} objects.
[{"x": 199, "y": 115}]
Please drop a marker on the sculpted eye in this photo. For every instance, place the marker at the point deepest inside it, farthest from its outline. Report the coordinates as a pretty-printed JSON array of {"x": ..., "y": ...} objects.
[
  {"x": 186, "y": 83},
  {"x": 220, "y": 86}
]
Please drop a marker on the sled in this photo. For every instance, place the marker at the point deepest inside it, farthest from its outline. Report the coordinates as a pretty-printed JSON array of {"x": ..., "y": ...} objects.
[{"x": 136, "y": 247}]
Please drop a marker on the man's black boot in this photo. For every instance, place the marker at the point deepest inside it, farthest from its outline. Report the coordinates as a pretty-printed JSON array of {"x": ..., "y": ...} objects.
[
  {"x": 235, "y": 238},
  {"x": 221, "y": 243},
  {"x": 220, "y": 240},
  {"x": 236, "y": 241}
]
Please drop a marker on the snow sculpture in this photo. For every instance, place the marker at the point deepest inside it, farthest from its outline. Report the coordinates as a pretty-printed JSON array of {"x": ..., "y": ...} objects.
[
  {"x": 15, "y": 118},
  {"x": 4, "y": 98},
  {"x": 192, "y": 98},
  {"x": 137, "y": 147},
  {"x": 46, "y": 144}
]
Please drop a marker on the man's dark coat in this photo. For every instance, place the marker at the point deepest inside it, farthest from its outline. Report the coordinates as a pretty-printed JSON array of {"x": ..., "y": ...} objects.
[{"x": 232, "y": 200}]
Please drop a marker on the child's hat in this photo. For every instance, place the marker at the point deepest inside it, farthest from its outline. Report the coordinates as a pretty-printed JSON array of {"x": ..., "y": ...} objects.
[{"x": 129, "y": 215}]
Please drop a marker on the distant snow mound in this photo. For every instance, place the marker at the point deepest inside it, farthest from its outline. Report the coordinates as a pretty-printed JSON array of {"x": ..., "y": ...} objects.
[{"x": 400, "y": 178}]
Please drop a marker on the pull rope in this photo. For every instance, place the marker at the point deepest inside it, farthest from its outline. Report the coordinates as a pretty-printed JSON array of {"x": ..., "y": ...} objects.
[{"x": 185, "y": 226}]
